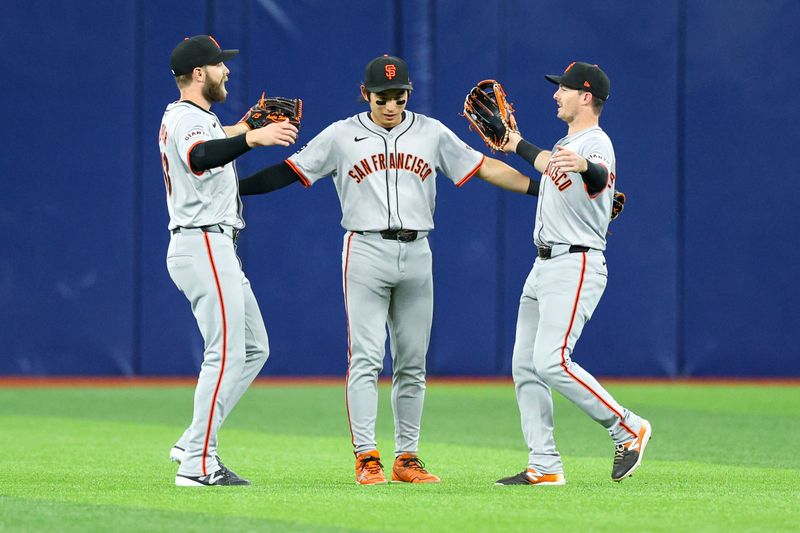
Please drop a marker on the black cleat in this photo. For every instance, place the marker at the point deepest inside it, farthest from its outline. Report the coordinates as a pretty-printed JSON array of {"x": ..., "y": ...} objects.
[
  {"x": 221, "y": 478},
  {"x": 532, "y": 477},
  {"x": 177, "y": 453},
  {"x": 628, "y": 456},
  {"x": 228, "y": 470}
]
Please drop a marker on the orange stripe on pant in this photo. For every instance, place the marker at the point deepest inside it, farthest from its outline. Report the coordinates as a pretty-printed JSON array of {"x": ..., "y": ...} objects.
[
  {"x": 224, "y": 353},
  {"x": 566, "y": 342},
  {"x": 349, "y": 345}
]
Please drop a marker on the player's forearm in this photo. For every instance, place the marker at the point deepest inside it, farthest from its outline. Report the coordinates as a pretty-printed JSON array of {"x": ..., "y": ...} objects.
[
  {"x": 595, "y": 177},
  {"x": 267, "y": 180},
  {"x": 534, "y": 155},
  {"x": 237, "y": 129},
  {"x": 501, "y": 175}
]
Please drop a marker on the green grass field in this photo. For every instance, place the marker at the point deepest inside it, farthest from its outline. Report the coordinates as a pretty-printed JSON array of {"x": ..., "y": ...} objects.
[{"x": 722, "y": 458}]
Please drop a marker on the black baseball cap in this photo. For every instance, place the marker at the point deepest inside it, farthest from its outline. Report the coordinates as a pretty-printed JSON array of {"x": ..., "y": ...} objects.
[
  {"x": 197, "y": 51},
  {"x": 386, "y": 72},
  {"x": 584, "y": 76}
]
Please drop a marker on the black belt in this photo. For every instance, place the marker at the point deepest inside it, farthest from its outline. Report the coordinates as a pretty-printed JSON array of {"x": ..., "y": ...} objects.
[
  {"x": 213, "y": 228},
  {"x": 402, "y": 235},
  {"x": 546, "y": 253}
]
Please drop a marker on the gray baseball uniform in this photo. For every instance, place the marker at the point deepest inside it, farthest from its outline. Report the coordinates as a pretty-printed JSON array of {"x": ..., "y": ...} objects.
[
  {"x": 386, "y": 181},
  {"x": 205, "y": 216},
  {"x": 559, "y": 297}
]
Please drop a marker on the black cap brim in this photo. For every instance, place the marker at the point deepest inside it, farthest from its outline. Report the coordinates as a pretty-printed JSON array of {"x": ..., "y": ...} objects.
[
  {"x": 552, "y": 78},
  {"x": 225, "y": 55}
]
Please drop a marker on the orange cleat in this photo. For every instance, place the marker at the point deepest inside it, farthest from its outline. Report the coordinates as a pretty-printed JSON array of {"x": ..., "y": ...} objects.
[
  {"x": 369, "y": 470},
  {"x": 409, "y": 469}
]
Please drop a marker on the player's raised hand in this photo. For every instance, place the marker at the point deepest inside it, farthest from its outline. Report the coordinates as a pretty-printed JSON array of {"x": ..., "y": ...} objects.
[
  {"x": 566, "y": 160},
  {"x": 278, "y": 133}
]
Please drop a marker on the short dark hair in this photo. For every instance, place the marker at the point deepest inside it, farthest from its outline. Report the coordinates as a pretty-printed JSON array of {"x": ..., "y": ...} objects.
[
  {"x": 597, "y": 103},
  {"x": 184, "y": 80}
]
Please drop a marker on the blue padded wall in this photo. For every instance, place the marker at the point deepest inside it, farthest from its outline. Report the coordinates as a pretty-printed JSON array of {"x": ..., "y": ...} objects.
[
  {"x": 68, "y": 161},
  {"x": 702, "y": 262},
  {"x": 741, "y": 253}
]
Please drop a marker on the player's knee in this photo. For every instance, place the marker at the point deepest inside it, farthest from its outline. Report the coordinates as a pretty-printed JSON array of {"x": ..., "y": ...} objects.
[
  {"x": 261, "y": 344},
  {"x": 257, "y": 343},
  {"x": 410, "y": 366},
  {"x": 410, "y": 375},
  {"x": 547, "y": 368},
  {"x": 259, "y": 352},
  {"x": 521, "y": 371},
  {"x": 236, "y": 358},
  {"x": 365, "y": 366}
]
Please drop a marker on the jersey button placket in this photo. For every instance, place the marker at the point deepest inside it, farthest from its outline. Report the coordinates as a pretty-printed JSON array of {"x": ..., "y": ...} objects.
[
  {"x": 401, "y": 258},
  {"x": 394, "y": 220}
]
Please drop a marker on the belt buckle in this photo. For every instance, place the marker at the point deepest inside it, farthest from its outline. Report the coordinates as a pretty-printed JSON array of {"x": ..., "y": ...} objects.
[
  {"x": 406, "y": 235},
  {"x": 545, "y": 253},
  {"x": 235, "y": 234}
]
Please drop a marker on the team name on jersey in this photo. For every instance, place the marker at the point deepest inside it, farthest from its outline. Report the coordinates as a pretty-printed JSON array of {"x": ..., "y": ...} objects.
[
  {"x": 193, "y": 133},
  {"x": 560, "y": 179},
  {"x": 399, "y": 161}
]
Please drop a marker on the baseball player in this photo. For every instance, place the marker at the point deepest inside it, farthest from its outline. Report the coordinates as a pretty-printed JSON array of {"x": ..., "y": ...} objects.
[
  {"x": 205, "y": 217},
  {"x": 384, "y": 164},
  {"x": 567, "y": 281}
]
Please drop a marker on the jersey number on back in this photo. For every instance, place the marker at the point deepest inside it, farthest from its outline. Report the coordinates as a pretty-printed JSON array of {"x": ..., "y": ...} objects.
[{"x": 165, "y": 170}]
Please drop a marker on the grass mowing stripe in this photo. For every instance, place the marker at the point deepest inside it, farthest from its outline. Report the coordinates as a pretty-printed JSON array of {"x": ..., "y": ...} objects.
[
  {"x": 80, "y": 517},
  {"x": 106, "y": 450}
]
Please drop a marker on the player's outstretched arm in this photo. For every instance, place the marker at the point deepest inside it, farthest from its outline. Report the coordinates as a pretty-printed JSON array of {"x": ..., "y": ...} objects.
[
  {"x": 527, "y": 151},
  {"x": 502, "y": 175},
  {"x": 219, "y": 152},
  {"x": 268, "y": 180}
]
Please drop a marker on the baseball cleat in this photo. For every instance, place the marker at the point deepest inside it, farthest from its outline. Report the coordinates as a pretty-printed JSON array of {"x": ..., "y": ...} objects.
[
  {"x": 628, "y": 455},
  {"x": 369, "y": 469},
  {"x": 221, "y": 478},
  {"x": 408, "y": 468},
  {"x": 532, "y": 477},
  {"x": 176, "y": 455}
]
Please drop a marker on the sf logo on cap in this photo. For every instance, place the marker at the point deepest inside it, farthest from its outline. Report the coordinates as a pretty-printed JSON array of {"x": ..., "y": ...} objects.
[{"x": 391, "y": 71}]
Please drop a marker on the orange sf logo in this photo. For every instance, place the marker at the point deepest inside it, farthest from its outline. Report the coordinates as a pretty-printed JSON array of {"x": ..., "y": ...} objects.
[{"x": 391, "y": 71}]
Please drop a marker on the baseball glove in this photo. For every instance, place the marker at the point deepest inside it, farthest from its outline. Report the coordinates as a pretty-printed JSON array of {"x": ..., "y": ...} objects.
[
  {"x": 273, "y": 109},
  {"x": 617, "y": 204},
  {"x": 490, "y": 114}
]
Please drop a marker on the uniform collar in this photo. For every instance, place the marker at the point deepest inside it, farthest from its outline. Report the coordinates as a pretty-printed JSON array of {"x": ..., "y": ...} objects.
[
  {"x": 371, "y": 126},
  {"x": 195, "y": 105}
]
